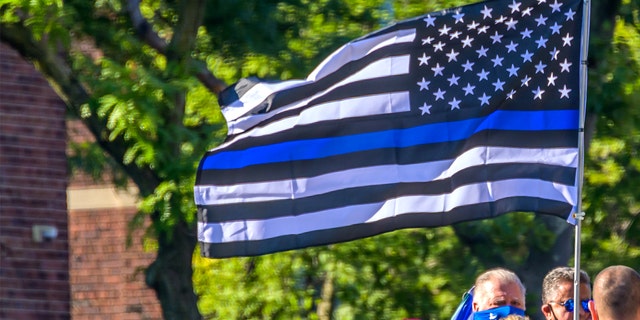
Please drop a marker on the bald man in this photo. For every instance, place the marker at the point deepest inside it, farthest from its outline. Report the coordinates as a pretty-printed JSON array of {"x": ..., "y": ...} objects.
[{"x": 616, "y": 294}]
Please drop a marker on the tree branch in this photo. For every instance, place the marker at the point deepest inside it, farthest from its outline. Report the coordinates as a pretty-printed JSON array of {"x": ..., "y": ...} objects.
[
  {"x": 181, "y": 40},
  {"x": 143, "y": 29},
  {"x": 186, "y": 30}
]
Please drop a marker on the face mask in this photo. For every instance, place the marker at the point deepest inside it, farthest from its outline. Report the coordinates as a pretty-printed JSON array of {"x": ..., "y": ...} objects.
[{"x": 497, "y": 313}]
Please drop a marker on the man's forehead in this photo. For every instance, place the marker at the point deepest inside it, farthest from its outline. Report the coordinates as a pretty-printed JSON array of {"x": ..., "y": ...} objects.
[
  {"x": 565, "y": 291},
  {"x": 506, "y": 291},
  {"x": 504, "y": 297}
]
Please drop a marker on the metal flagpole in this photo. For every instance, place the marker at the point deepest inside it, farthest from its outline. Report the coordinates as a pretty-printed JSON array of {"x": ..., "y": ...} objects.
[{"x": 579, "y": 215}]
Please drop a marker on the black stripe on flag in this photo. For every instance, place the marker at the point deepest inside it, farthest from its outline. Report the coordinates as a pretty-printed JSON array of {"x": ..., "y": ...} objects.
[
  {"x": 417, "y": 220},
  {"x": 409, "y": 155},
  {"x": 379, "y": 193}
]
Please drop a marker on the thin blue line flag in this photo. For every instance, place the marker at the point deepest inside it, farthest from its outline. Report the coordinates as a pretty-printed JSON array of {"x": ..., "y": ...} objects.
[{"x": 458, "y": 115}]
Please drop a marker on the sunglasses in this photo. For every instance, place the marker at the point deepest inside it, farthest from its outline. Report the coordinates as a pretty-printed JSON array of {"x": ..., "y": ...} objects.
[{"x": 569, "y": 305}]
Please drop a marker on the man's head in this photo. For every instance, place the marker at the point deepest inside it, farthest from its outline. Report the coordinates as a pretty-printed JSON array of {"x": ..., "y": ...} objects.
[
  {"x": 616, "y": 294},
  {"x": 498, "y": 287},
  {"x": 515, "y": 317},
  {"x": 557, "y": 294}
]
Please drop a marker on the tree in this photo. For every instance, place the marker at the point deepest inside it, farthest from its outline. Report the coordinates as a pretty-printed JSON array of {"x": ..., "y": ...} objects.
[
  {"x": 138, "y": 76},
  {"x": 144, "y": 77}
]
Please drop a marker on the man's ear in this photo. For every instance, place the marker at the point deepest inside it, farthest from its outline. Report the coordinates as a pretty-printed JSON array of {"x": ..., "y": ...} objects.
[
  {"x": 592, "y": 309},
  {"x": 546, "y": 309},
  {"x": 474, "y": 306}
]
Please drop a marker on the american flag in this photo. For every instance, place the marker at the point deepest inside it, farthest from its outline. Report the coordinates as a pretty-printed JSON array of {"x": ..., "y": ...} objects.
[{"x": 457, "y": 115}]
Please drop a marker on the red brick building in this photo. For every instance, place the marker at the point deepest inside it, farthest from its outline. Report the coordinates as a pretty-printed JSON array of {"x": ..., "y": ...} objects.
[{"x": 86, "y": 271}]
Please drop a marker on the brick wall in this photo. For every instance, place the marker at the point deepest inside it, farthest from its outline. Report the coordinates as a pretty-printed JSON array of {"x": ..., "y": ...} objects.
[
  {"x": 34, "y": 277},
  {"x": 107, "y": 276},
  {"x": 87, "y": 272}
]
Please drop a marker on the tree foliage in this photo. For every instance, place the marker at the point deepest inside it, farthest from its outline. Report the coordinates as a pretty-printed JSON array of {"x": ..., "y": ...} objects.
[{"x": 143, "y": 77}]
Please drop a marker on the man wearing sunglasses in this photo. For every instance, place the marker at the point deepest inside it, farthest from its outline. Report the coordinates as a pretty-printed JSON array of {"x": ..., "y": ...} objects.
[
  {"x": 616, "y": 294},
  {"x": 557, "y": 295}
]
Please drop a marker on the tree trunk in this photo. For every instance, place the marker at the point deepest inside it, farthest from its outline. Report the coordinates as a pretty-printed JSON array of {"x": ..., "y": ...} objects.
[
  {"x": 170, "y": 275},
  {"x": 325, "y": 307},
  {"x": 540, "y": 262}
]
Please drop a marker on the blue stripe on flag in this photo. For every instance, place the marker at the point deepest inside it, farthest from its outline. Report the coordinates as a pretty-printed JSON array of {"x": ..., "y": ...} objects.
[{"x": 398, "y": 138}]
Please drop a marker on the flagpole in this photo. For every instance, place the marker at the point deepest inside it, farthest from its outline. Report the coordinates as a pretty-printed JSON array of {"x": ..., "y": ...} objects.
[{"x": 579, "y": 215}]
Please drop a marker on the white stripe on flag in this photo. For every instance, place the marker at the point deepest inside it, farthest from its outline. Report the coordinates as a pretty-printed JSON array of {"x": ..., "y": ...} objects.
[
  {"x": 389, "y": 66},
  {"x": 361, "y": 214},
  {"x": 359, "y": 49},
  {"x": 386, "y": 103},
  {"x": 379, "y": 175},
  {"x": 254, "y": 96}
]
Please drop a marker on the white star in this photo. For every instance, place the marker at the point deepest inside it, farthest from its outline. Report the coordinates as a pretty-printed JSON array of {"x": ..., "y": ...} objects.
[
  {"x": 467, "y": 66},
  {"x": 569, "y": 14},
  {"x": 497, "y": 61},
  {"x": 565, "y": 65},
  {"x": 467, "y": 42},
  {"x": 567, "y": 40},
  {"x": 427, "y": 40},
  {"x": 555, "y": 28},
  {"x": 513, "y": 71},
  {"x": 542, "y": 42},
  {"x": 458, "y": 17},
  {"x": 525, "y": 81},
  {"x": 512, "y": 46},
  {"x": 515, "y": 6},
  {"x": 424, "y": 59},
  {"x": 538, "y": 93},
  {"x": 526, "y": 33},
  {"x": 484, "y": 99},
  {"x": 540, "y": 67},
  {"x": 483, "y": 29},
  {"x": 438, "y": 46},
  {"x": 444, "y": 30},
  {"x": 486, "y": 12},
  {"x": 455, "y": 104},
  {"x": 541, "y": 20},
  {"x": 542, "y": 1},
  {"x": 552, "y": 80},
  {"x": 564, "y": 92},
  {"x": 501, "y": 19},
  {"x": 439, "y": 95},
  {"x": 555, "y": 6},
  {"x": 424, "y": 84},
  {"x": 472, "y": 25},
  {"x": 496, "y": 37},
  {"x": 452, "y": 55},
  {"x": 430, "y": 21},
  {"x": 468, "y": 90},
  {"x": 483, "y": 75},
  {"x": 453, "y": 80},
  {"x": 454, "y": 35},
  {"x": 437, "y": 70},
  {"x": 511, "y": 24},
  {"x": 482, "y": 51},
  {"x": 498, "y": 85},
  {"x": 527, "y": 11},
  {"x": 526, "y": 56},
  {"x": 510, "y": 94},
  {"x": 426, "y": 108},
  {"x": 554, "y": 53}
]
